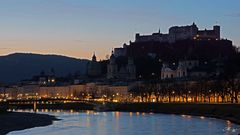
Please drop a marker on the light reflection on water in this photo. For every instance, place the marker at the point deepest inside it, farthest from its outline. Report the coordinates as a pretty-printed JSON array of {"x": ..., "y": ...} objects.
[{"x": 121, "y": 123}]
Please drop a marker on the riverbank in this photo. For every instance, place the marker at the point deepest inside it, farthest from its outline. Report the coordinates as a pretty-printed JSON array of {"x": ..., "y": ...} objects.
[
  {"x": 13, "y": 121},
  {"x": 229, "y": 112}
]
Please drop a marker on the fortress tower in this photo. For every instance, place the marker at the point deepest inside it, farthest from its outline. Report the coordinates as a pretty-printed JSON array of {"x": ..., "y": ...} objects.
[{"x": 217, "y": 31}]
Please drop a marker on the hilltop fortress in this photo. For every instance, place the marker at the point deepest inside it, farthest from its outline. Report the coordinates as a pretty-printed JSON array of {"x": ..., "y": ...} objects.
[
  {"x": 155, "y": 42},
  {"x": 177, "y": 33}
]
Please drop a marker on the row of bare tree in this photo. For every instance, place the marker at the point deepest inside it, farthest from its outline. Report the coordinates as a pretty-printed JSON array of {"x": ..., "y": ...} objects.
[{"x": 214, "y": 91}]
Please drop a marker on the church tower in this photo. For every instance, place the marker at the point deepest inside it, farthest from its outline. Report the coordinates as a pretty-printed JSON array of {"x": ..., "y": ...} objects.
[
  {"x": 94, "y": 58},
  {"x": 93, "y": 68},
  {"x": 112, "y": 68}
]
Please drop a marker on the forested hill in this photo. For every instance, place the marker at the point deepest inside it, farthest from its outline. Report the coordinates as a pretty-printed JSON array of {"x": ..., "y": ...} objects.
[{"x": 19, "y": 66}]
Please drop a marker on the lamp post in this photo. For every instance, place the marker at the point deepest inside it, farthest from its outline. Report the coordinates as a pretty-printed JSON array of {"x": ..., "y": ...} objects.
[
  {"x": 173, "y": 92},
  {"x": 209, "y": 95},
  {"x": 189, "y": 93}
]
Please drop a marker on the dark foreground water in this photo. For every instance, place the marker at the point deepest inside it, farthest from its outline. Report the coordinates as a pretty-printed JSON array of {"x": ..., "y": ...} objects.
[{"x": 121, "y": 123}]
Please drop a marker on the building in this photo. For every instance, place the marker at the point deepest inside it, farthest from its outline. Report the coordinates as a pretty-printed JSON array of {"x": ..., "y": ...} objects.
[
  {"x": 180, "y": 70},
  {"x": 112, "y": 68},
  {"x": 47, "y": 80},
  {"x": 121, "y": 72},
  {"x": 93, "y": 68},
  {"x": 177, "y": 33},
  {"x": 115, "y": 92},
  {"x": 121, "y": 51}
]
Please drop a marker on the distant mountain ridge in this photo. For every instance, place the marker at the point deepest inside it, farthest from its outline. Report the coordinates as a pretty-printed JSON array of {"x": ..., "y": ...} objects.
[{"x": 19, "y": 66}]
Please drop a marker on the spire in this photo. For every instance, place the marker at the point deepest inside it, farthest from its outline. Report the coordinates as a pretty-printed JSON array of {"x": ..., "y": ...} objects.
[
  {"x": 159, "y": 31},
  {"x": 94, "y": 58}
]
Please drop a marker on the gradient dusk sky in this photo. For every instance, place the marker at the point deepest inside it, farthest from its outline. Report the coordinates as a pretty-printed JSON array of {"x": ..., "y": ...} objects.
[{"x": 80, "y": 27}]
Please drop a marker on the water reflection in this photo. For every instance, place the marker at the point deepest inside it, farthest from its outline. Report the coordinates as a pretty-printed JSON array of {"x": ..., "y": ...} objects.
[
  {"x": 130, "y": 114},
  {"x": 131, "y": 123}
]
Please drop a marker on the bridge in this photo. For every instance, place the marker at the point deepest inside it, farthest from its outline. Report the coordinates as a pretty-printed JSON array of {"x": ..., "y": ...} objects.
[
  {"x": 47, "y": 101},
  {"x": 52, "y": 103}
]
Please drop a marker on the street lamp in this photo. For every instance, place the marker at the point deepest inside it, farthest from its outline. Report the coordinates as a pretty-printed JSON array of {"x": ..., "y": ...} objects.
[{"x": 173, "y": 92}]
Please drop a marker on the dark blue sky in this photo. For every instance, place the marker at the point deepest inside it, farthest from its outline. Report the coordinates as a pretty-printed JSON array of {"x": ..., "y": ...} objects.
[{"x": 80, "y": 27}]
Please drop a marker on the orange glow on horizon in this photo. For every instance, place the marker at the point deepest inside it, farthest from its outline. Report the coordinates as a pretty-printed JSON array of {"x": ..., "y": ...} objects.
[
  {"x": 70, "y": 48},
  {"x": 79, "y": 54}
]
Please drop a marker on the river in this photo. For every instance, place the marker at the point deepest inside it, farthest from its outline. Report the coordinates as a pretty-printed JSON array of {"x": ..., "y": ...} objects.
[{"x": 129, "y": 123}]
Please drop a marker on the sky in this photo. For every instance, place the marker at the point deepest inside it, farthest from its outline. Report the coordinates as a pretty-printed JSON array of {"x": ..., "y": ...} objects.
[{"x": 78, "y": 28}]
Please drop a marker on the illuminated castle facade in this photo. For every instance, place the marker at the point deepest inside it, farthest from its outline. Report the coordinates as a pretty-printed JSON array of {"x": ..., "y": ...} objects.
[{"x": 178, "y": 71}]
